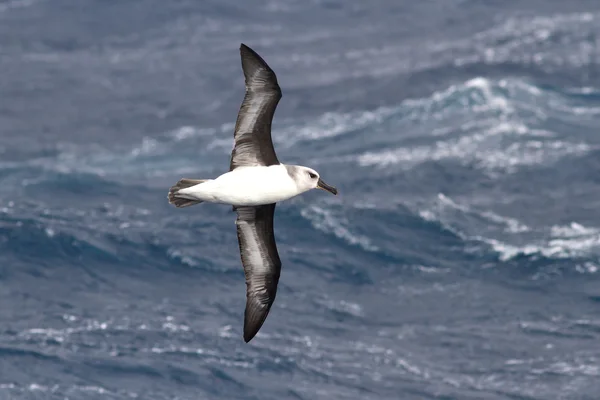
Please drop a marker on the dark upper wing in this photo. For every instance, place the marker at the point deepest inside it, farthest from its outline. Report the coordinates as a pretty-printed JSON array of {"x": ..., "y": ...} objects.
[
  {"x": 253, "y": 144},
  {"x": 261, "y": 264}
]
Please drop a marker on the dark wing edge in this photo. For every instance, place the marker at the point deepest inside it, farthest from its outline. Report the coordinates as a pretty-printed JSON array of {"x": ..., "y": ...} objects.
[
  {"x": 261, "y": 262},
  {"x": 253, "y": 143}
]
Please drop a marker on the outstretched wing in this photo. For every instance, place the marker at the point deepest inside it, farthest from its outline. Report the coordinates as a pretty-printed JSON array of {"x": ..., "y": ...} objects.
[
  {"x": 262, "y": 265},
  {"x": 253, "y": 144}
]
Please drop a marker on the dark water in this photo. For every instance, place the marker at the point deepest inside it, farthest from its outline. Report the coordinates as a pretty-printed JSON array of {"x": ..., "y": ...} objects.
[{"x": 461, "y": 260}]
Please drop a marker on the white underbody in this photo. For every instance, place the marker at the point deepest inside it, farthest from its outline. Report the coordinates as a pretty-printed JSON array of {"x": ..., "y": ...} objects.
[{"x": 246, "y": 186}]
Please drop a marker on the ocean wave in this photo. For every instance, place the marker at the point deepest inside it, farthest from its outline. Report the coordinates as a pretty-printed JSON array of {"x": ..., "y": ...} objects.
[
  {"x": 333, "y": 221},
  {"x": 506, "y": 129},
  {"x": 499, "y": 125},
  {"x": 563, "y": 242},
  {"x": 533, "y": 44},
  {"x": 447, "y": 211},
  {"x": 341, "y": 307},
  {"x": 17, "y": 235},
  {"x": 469, "y": 151},
  {"x": 88, "y": 391},
  {"x": 78, "y": 327},
  {"x": 500, "y": 234},
  {"x": 108, "y": 233},
  {"x": 549, "y": 42}
]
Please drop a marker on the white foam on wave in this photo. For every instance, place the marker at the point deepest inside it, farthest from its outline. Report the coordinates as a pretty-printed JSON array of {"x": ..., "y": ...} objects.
[
  {"x": 208, "y": 356},
  {"x": 571, "y": 241},
  {"x": 511, "y": 225},
  {"x": 55, "y": 390},
  {"x": 501, "y": 141},
  {"x": 569, "y": 369},
  {"x": 148, "y": 146},
  {"x": 78, "y": 326},
  {"x": 500, "y": 232},
  {"x": 443, "y": 210},
  {"x": 475, "y": 149},
  {"x": 526, "y": 40},
  {"x": 177, "y": 254},
  {"x": 331, "y": 124},
  {"x": 332, "y": 222},
  {"x": 490, "y": 99},
  {"x": 342, "y": 306},
  {"x": 497, "y": 103},
  {"x": 475, "y": 95},
  {"x": 186, "y": 132},
  {"x": 572, "y": 230},
  {"x": 162, "y": 143},
  {"x": 585, "y": 90}
]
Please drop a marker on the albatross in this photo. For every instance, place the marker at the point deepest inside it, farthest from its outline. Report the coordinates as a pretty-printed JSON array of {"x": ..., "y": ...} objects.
[{"x": 255, "y": 183}]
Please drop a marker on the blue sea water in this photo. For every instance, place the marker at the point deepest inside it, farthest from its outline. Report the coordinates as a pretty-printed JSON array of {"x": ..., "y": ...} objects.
[{"x": 460, "y": 260}]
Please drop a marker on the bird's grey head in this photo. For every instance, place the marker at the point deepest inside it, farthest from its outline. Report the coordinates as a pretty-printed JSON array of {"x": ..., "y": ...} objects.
[{"x": 307, "y": 179}]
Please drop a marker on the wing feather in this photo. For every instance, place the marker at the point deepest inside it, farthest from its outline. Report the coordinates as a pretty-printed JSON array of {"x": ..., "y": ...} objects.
[
  {"x": 252, "y": 137},
  {"x": 261, "y": 262}
]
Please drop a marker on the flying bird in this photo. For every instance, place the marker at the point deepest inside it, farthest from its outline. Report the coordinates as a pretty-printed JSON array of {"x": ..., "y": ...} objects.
[{"x": 256, "y": 181}]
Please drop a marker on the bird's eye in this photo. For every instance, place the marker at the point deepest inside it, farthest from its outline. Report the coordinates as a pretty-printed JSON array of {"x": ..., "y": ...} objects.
[{"x": 312, "y": 176}]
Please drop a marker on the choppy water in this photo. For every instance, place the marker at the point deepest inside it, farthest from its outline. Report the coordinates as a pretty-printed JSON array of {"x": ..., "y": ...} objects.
[{"x": 461, "y": 260}]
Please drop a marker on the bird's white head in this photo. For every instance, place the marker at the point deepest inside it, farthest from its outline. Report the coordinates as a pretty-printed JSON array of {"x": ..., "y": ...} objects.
[{"x": 307, "y": 179}]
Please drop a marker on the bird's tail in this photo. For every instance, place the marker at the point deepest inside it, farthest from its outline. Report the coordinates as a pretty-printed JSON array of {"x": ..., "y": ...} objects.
[{"x": 180, "y": 201}]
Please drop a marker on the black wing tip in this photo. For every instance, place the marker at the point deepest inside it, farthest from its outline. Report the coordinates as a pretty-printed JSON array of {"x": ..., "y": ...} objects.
[
  {"x": 254, "y": 320},
  {"x": 248, "y": 337},
  {"x": 252, "y": 326},
  {"x": 250, "y": 331},
  {"x": 245, "y": 49},
  {"x": 251, "y": 60}
]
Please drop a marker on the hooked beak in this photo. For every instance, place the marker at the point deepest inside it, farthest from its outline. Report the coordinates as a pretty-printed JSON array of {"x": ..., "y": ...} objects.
[{"x": 324, "y": 186}]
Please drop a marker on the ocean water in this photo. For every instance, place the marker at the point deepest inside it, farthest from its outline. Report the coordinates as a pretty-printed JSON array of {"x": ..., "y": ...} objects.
[{"x": 461, "y": 259}]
